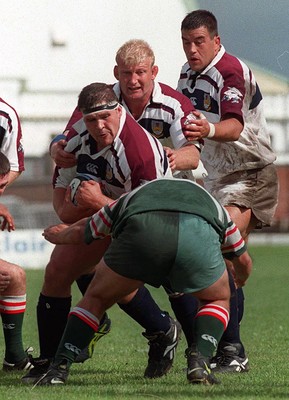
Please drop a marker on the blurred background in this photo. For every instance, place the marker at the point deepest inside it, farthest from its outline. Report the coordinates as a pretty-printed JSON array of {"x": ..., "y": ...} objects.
[{"x": 52, "y": 49}]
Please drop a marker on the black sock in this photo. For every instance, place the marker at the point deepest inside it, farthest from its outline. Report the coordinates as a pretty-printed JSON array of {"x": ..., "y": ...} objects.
[
  {"x": 185, "y": 308},
  {"x": 144, "y": 310},
  {"x": 52, "y": 315},
  {"x": 83, "y": 282},
  {"x": 241, "y": 299},
  {"x": 232, "y": 333}
]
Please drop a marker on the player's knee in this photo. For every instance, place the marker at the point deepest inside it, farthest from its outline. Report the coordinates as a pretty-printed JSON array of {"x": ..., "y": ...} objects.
[
  {"x": 57, "y": 275},
  {"x": 17, "y": 279}
]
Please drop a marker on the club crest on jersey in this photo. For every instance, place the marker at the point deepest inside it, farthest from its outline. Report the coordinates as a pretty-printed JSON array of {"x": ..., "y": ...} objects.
[
  {"x": 194, "y": 101},
  {"x": 157, "y": 127},
  {"x": 207, "y": 102},
  {"x": 108, "y": 173},
  {"x": 232, "y": 95}
]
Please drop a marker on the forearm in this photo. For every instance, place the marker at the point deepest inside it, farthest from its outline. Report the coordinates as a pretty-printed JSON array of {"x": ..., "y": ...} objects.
[
  {"x": 66, "y": 210},
  {"x": 227, "y": 130},
  {"x": 63, "y": 234},
  {"x": 187, "y": 158},
  {"x": 242, "y": 268},
  {"x": 74, "y": 234},
  {"x": 13, "y": 175}
]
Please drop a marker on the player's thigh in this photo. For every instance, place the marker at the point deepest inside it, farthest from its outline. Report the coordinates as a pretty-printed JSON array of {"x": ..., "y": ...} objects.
[
  {"x": 218, "y": 292},
  {"x": 106, "y": 288},
  {"x": 71, "y": 261}
]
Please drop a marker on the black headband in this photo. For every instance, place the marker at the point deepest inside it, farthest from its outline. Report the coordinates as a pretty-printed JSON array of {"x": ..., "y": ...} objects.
[{"x": 107, "y": 106}]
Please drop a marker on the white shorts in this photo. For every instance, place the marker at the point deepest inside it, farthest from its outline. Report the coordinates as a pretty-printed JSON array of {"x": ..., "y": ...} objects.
[{"x": 256, "y": 189}]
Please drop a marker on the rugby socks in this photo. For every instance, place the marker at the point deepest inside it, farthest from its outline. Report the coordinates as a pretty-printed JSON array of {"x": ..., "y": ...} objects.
[
  {"x": 144, "y": 310},
  {"x": 52, "y": 315},
  {"x": 12, "y": 309},
  {"x": 211, "y": 321},
  {"x": 80, "y": 329},
  {"x": 241, "y": 300},
  {"x": 83, "y": 282},
  {"x": 232, "y": 333},
  {"x": 185, "y": 308}
]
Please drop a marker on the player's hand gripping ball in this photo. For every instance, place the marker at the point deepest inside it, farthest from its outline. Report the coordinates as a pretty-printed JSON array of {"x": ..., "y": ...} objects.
[{"x": 74, "y": 185}]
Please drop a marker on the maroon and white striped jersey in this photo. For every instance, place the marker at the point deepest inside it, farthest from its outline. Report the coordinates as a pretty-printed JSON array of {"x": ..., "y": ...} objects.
[
  {"x": 11, "y": 136},
  {"x": 133, "y": 158},
  {"x": 227, "y": 86}
]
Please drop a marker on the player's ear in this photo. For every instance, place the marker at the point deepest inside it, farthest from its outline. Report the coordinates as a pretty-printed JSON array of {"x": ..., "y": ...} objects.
[
  {"x": 155, "y": 70},
  {"x": 115, "y": 72}
]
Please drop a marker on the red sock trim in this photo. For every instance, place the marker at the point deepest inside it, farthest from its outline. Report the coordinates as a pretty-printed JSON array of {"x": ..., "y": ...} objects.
[{"x": 216, "y": 311}]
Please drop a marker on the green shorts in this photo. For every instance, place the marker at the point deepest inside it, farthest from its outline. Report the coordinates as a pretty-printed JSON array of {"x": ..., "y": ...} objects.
[{"x": 157, "y": 245}]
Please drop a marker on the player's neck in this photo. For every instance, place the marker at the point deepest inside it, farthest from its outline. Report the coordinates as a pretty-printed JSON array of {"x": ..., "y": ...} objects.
[{"x": 137, "y": 106}]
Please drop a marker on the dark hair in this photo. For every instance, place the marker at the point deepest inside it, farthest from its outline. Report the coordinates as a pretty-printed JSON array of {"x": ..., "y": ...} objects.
[
  {"x": 4, "y": 165},
  {"x": 96, "y": 93},
  {"x": 198, "y": 18}
]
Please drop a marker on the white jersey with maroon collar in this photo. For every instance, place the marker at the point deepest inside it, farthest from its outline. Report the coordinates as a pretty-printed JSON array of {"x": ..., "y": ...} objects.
[
  {"x": 228, "y": 86},
  {"x": 11, "y": 136},
  {"x": 134, "y": 157},
  {"x": 164, "y": 115}
]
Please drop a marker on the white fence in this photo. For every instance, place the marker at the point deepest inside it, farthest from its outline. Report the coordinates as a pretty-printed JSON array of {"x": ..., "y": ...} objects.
[{"x": 26, "y": 248}]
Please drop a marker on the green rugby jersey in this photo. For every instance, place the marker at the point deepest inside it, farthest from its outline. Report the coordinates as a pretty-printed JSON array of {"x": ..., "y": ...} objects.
[{"x": 176, "y": 195}]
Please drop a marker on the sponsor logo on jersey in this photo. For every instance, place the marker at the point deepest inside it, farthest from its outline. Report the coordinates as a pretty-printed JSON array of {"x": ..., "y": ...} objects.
[
  {"x": 92, "y": 169},
  {"x": 233, "y": 95}
]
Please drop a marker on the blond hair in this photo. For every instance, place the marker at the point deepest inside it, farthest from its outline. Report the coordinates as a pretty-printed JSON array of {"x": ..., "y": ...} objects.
[{"x": 134, "y": 51}]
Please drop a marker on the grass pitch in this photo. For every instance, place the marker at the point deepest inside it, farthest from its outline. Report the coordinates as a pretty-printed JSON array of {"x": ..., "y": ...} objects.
[{"x": 116, "y": 369}]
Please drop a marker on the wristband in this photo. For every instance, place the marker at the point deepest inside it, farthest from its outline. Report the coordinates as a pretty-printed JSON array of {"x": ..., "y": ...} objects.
[
  {"x": 212, "y": 131},
  {"x": 57, "y": 139}
]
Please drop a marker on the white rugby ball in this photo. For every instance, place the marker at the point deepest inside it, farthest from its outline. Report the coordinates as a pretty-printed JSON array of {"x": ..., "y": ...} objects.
[{"x": 74, "y": 185}]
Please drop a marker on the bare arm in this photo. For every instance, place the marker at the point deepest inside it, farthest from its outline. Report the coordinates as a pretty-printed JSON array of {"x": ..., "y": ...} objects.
[
  {"x": 89, "y": 194},
  {"x": 8, "y": 221},
  {"x": 13, "y": 175},
  {"x": 65, "y": 209},
  {"x": 226, "y": 130},
  {"x": 185, "y": 158},
  {"x": 61, "y": 157},
  {"x": 242, "y": 268},
  {"x": 64, "y": 234}
]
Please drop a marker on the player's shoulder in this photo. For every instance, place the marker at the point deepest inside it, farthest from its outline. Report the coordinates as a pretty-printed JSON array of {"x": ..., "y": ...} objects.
[
  {"x": 7, "y": 108},
  {"x": 230, "y": 64},
  {"x": 130, "y": 124},
  {"x": 173, "y": 97}
]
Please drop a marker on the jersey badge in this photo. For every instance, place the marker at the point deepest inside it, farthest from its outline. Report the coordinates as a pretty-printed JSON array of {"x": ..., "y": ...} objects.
[
  {"x": 232, "y": 95},
  {"x": 108, "y": 173},
  {"x": 157, "y": 127},
  {"x": 207, "y": 102}
]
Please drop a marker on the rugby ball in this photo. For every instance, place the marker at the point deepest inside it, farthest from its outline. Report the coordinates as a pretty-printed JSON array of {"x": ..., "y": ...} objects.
[{"x": 74, "y": 185}]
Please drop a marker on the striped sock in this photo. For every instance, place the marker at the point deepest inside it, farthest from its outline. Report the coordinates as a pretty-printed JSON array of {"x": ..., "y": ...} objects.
[
  {"x": 211, "y": 321},
  {"x": 12, "y": 309},
  {"x": 80, "y": 329}
]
